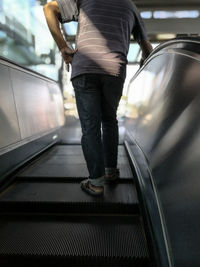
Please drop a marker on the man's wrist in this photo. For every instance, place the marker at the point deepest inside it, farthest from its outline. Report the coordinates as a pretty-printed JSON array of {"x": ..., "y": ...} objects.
[
  {"x": 62, "y": 48},
  {"x": 61, "y": 44}
]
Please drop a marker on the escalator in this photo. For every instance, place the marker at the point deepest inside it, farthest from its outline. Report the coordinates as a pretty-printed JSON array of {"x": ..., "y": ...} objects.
[
  {"x": 47, "y": 220},
  {"x": 45, "y": 217}
]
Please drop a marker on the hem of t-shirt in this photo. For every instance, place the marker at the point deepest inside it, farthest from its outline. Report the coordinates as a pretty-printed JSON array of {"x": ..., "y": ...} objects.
[{"x": 96, "y": 71}]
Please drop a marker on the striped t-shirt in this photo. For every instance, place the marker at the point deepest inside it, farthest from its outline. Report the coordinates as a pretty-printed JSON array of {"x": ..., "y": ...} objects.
[{"x": 103, "y": 37}]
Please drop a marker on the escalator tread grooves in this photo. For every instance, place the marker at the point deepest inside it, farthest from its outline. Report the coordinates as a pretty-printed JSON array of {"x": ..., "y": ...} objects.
[{"x": 67, "y": 239}]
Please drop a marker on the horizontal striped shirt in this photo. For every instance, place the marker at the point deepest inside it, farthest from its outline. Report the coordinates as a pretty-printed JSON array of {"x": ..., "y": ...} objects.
[{"x": 103, "y": 37}]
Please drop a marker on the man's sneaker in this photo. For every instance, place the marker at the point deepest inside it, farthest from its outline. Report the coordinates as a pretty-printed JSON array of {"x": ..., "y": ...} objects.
[
  {"x": 91, "y": 189},
  {"x": 111, "y": 175}
]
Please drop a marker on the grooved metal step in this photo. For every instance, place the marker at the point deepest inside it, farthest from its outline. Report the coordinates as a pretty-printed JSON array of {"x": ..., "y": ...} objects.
[
  {"x": 72, "y": 241},
  {"x": 67, "y": 162},
  {"x": 47, "y": 220},
  {"x": 68, "y": 197}
]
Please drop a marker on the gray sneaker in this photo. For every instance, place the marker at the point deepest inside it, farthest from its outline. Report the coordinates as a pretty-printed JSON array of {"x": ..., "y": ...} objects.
[{"x": 111, "y": 175}]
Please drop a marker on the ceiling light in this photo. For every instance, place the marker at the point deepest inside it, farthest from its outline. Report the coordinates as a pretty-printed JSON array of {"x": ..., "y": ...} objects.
[
  {"x": 146, "y": 14},
  {"x": 162, "y": 14},
  {"x": 166, "y": 36}
]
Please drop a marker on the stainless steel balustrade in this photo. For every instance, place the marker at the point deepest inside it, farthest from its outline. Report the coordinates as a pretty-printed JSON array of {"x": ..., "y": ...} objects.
[{"x": 165, "y": 99}]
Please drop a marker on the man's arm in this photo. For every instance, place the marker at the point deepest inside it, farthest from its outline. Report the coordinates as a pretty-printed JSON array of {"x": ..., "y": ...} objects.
[
  {"x": 52, "y": 15},
  {"x": 146, "y": 50}
]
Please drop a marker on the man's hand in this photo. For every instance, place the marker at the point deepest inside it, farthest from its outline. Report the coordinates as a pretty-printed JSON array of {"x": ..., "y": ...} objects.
[
  {"x": 67, "y": 54},
  {"x": 146, "y": 50},
  {"x": 52, "y": 14},
  {"x": 141, "y": 62}
]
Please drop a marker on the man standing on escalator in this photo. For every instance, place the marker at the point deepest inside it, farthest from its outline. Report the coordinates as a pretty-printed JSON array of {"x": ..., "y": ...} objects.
[{"x": 98, "y": 74}]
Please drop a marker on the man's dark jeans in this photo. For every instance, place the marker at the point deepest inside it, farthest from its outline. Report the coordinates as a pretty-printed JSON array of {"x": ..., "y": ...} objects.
[{"x": 97, "y": 99}]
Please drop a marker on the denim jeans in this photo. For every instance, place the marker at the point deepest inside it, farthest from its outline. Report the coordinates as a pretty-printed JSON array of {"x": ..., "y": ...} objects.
[{"x": 97, "y": 100}]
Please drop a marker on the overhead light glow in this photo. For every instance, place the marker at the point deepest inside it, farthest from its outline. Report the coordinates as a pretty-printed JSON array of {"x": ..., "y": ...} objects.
[
  {"x": 193, "y": 14},
  {"x": 166, "y": 36},
  {"x": 146, "y": 14},
  {"x": 182, "y": 14}
]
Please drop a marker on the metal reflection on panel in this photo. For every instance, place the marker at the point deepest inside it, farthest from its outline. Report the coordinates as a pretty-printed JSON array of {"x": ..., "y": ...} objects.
[
  {"x": 56, "y": 105},
  {"x": 9, "y": 128},
  {"x": 167, "y": 127},
  {"x": 36, "y": 113}
]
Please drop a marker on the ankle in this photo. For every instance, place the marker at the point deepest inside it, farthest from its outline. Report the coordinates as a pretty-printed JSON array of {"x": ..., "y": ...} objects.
[{"x": 110, "y": 170}]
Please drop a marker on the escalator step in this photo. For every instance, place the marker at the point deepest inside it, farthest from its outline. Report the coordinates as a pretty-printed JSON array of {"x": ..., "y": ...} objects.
[
  {"x": 67, "y": 197},
  {"x": 77, "y": 150},
  {"x": 67, "y": 162},
  {"x": 77, "y": 241},
  {"x": 72, "y": 172}
]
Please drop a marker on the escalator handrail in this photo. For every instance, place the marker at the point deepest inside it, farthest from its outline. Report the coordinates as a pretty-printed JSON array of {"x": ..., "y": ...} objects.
[{"x": 160, "y": 47}]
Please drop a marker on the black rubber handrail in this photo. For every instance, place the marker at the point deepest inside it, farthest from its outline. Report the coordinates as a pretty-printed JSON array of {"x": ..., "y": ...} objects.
[
  {"x": 195, "y": 40},
  {"x": 187, "y": 40},
  {"x": 150, "y": 206}
]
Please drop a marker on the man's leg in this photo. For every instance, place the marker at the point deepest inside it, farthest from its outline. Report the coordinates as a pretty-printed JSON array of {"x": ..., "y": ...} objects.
[
  {"x": 111, "y": 94},
  {"x": 88, "y": 99}
]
